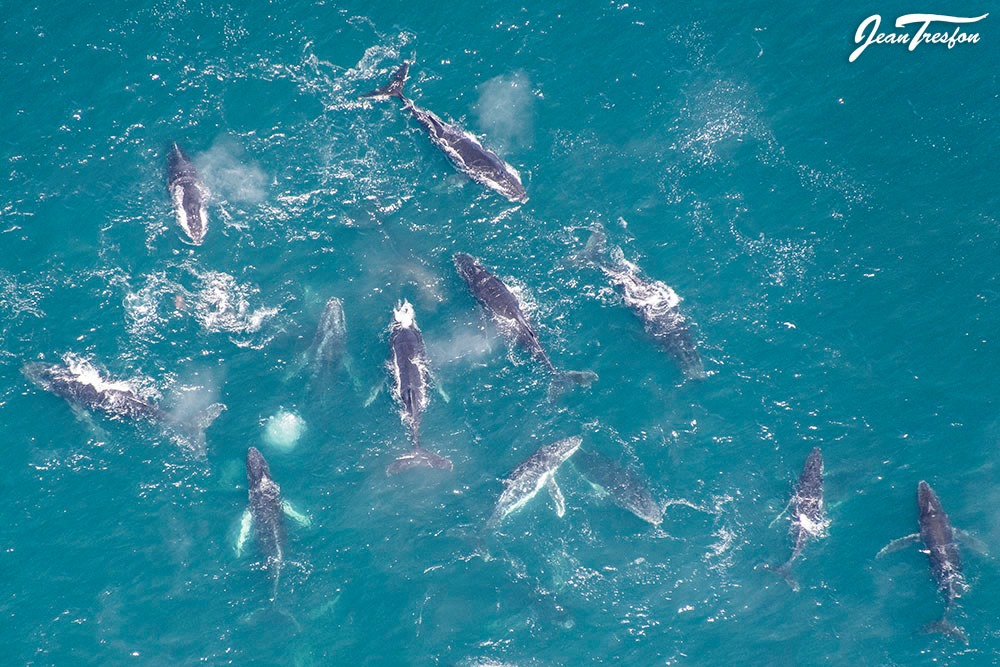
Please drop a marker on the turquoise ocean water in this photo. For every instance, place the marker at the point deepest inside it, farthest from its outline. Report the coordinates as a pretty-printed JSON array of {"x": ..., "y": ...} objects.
[{"x": 831, "y": 227}]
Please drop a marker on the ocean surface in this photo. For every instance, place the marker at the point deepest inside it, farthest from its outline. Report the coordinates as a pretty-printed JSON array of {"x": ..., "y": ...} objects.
[{"x": 831, "y": 227}]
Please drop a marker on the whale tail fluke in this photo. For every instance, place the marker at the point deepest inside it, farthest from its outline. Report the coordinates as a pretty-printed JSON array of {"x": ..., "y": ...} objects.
[
  {"x": 785, "y": 572},
  {"x": 190, "y": 429},
  {"x": 566, "y": 380},
  {"x": 395, "y": 86},
  {"x": 417, "y": 457},
  {"x": 947, "y": 628},
  {"x": 596, "y": 249}
]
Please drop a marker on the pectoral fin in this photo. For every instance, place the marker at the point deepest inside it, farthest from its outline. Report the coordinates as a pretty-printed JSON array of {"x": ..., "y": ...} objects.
[
  {"x": 376, "y": 390},
  {"x": 601, "y": 491},
  {"x": 783, "y": 512},
  {"x": 970, "y": 541},
  {"x": 557, "y": 496},
  {"x": 245, "y": 524},
  {"x": 440, "y": 390},
  {"x": 301, "y": 519},
  {"x": 348, "y": 364},
  {"x": 896, "y": 545}
]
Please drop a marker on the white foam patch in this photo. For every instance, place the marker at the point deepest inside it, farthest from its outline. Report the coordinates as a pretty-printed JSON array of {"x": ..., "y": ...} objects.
[
  {"x": 149, "y": 309},
  {"x": 505, "y": 111},
  {"x": 651, "y": 296},
  {"x": 283, "y": 430},
  {"x": 719, "y": 117},
  {"x": 223, "y": 305}
]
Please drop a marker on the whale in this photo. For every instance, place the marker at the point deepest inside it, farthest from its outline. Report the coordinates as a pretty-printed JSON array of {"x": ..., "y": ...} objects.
[
  {"x": 625, "y": 488},
  {"x": 85, "y": 387},
  {"x": 189, "y": 195},
  {"x": 464, "y": 150},
  {"x": 654, "y": 302},
  {"x": 808, "y": 518},
  {"x": 265, "y": 515},
  {"x": 494, "y": 296},
  {"x": 328, "y": 351},
  {"x": 330, "y": 341},
  {"x": 79, "y": 382},
  {"x": 939, "y": 538},
  {"x": 534, "y": 473},
  {"x": 409, "y": 366}
]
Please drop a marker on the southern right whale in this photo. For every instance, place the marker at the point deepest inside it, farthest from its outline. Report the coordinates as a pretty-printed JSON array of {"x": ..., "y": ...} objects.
[
  {"x": 497, "y": 298},
  {"x": 189, "y": 195},
  {"x": 330, "y": 342},
  {"x": 535, "y": 472},
  {"x": 79, "y": 382},
  {"x": 462, "y": 148},
  {"x": 655, "y": 302},
  {"x": 328, "y": 350},
  {"x": 808, "y": 519},
  {"x": 265, "y": 515},
  {"x": 939, "y": 538},
  {"x": 410, "y": 373}
]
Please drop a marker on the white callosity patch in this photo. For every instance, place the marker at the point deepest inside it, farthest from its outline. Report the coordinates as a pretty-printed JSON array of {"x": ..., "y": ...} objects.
[
  {"x": 84, "y": 372},
  {"x": 403, "y": 315},
  {"x": 815, "y": 529},
  {"x": 652, "y": 297}
]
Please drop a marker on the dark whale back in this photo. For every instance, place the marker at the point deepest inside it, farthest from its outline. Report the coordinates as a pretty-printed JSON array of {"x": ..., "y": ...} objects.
[{"x": 939, "y": 538}]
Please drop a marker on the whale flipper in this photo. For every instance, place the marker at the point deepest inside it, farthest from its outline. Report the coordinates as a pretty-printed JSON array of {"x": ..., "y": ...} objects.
[
  {"x": 897, "y": 544},
  {"x": 969, "y": 540},
  {"x": 535, "y": 472},
  {"x": 376, "y": 390},
  {"x": 293, "y": 514},
  {"x": 246, "y": 524},
  {"x": 557, "y": 497}
]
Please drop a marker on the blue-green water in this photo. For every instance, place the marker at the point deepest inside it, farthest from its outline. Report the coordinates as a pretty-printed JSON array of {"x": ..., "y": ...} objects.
[{"x": 831, "y": 227}]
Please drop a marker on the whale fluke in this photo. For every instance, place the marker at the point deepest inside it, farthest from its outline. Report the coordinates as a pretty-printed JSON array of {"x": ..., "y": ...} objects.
[
  {"x": 947, "y": 628},
  {"x": 785, "y": 572},
  {"x": 564, "y": 380},
  {"x": 395, "y": 86},
  {"x": 417, "y": 457}
]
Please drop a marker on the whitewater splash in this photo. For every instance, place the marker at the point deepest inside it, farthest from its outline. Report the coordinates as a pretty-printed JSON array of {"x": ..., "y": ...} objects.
[{"x": 218, "y": 302}]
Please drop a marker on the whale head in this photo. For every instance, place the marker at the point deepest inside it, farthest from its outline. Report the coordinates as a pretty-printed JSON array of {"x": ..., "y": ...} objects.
[
  {"x": 813, "y": 468},
  {"x": 927, "y": 500},
  {"x": 257, "y": 468},
  {"x": 40, "y": 373},
  {"x": 467, "y": 266}
]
